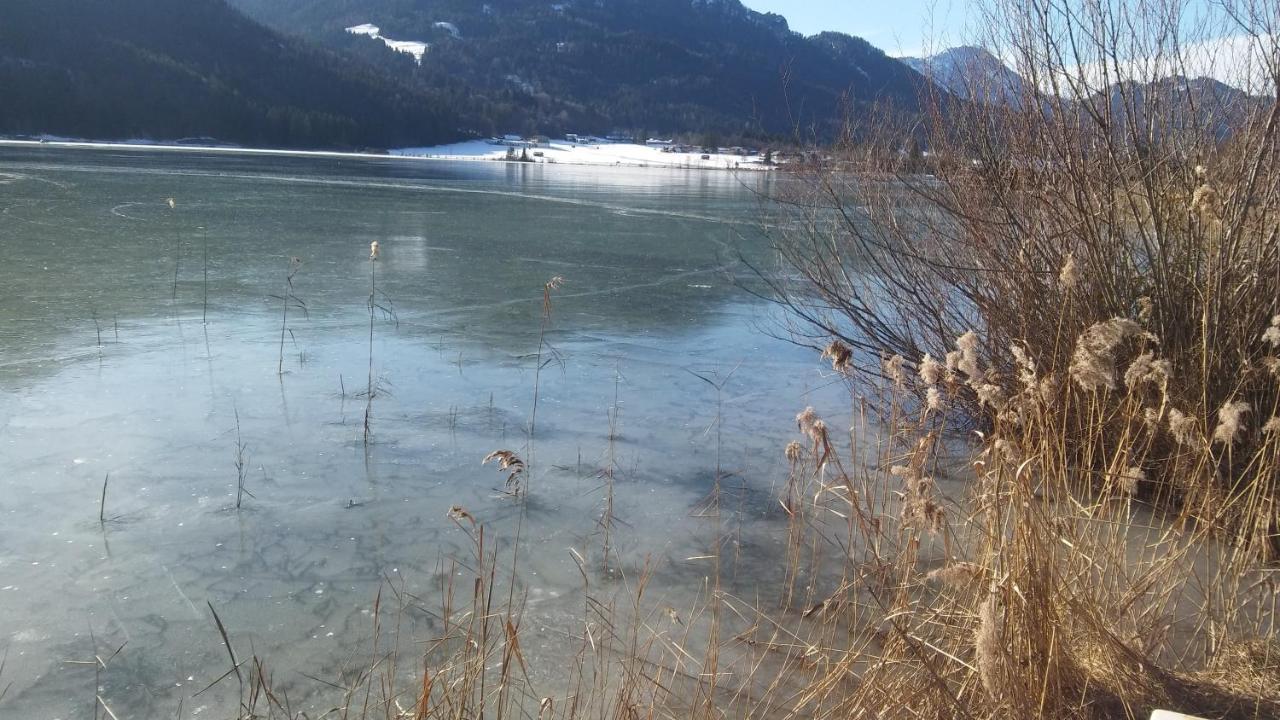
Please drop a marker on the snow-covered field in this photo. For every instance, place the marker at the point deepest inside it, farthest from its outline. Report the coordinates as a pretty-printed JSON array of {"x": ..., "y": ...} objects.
[{"x": 618, "y": 154}]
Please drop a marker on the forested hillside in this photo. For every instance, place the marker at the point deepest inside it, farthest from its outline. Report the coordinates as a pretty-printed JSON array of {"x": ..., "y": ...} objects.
[
  {"x": 655, "y": 66},
  {"x": 197, "y": 68}
]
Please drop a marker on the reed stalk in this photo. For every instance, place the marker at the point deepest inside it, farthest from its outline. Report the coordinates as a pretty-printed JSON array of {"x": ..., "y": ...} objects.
[
  {"x": 609, "y": 473},
  {"x": 373, "y": 296},
  {"x": 204, "y": 310},
  {"x": 287, "y": 298},
  {"x": 552, "y": 284},
  {"x": 242, "y": 467},
  {"x": 177, "y": 253},
  {"x": 102, "y": 504}
]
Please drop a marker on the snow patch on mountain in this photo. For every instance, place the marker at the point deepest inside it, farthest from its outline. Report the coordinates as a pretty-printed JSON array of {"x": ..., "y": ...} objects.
[{"x": 409, "y": 47}]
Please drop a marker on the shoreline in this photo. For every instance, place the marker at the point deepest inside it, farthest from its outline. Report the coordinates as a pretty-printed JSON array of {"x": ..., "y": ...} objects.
[
  {"x": 398, "y": 154},
  {"x": 596, "y": 154}
]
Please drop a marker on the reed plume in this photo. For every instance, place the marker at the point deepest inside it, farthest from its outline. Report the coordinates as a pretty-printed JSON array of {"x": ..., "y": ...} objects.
[{"x": 510, "y": 463}]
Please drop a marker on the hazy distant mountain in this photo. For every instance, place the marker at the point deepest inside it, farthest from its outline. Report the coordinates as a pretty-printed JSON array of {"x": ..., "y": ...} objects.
[
  {"x": 971, "y": 73},
  {"x": 660, "y": 66},
  {"x": 1180, "y": 103},
  {"x": 1172, "y": 103},
  {"x": 165, "y": 70}
]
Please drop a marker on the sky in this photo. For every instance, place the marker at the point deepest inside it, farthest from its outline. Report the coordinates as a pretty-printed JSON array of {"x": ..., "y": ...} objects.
[
  {"x": 920, "y": 27},
  {"x": 899, "y": 27}
]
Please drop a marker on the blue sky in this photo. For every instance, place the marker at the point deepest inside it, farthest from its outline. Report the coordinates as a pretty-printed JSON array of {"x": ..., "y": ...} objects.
[
  {"x": 895, "y": 26},
  {"x": 1213, "y": 45}
]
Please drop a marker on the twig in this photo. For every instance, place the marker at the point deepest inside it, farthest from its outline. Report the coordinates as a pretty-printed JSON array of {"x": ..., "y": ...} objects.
[
  {"x": 102, "y": 506},
  {"x": 226, "y": 641}
]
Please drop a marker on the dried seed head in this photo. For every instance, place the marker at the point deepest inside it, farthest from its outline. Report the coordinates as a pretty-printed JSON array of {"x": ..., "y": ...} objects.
[
  {"x": 1014, "y": 412},
  {"x": 1272, "y": 334},
  {"x": 930, "y": 370},
  {"x": 841, "y": 356},
  {"x": 1130, "y": 478},
  {"x": 1272, "y": 427},
  {"x": 1230, "y": 421},
  {"x": 1069, "y": 277},
  {"x": 1146, "y": 369},
  {"x": 818, "y": 431},
  {"x": 1026, "y": 366},
  {"x": 1093, "y": 364},
  {"x": 988, "y": 645},
  {"x": 805, "y": 420},
  {"x": 1146, "y": 308},
  {"x": 990, "y": 395},
  {"x": 967, "y": 363},
  {"x": 373, "y": 250},
  {"x": 893, "y": 370},
  {"x": 794, "y": 451},
  {"x": 1005, "y": 450},
  {"x": 508, "y": 460},
  {"x": 923, "y": 513},
  {"x": 505, "y": 458},
  {"x": 1183, "y": 427},
  {"x": 957, "y": 575},
  {"x": 1048, "y": 388},
  {"x": 933, "y": 399},
  {"x": 172, "y": 203},
  {"x": 953, "y": 364},
  {"x": 1205, "y": 201}
]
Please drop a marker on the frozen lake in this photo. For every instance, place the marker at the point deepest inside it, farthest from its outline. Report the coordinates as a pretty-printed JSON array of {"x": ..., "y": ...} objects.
[{"x": 108, "y": 366}]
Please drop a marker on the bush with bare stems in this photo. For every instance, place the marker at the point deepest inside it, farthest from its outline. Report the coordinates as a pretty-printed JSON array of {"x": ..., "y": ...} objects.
[{"x": 1109, "y": 225}]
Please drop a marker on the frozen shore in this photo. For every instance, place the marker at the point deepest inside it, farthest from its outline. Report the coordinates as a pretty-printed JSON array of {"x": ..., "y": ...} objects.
[
  {"x": 597, "y": 155},
  {"x": 607, "y": 154}
]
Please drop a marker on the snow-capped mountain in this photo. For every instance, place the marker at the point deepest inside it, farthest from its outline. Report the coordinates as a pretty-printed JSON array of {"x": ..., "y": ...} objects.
[{"x": 971, "y": 73}]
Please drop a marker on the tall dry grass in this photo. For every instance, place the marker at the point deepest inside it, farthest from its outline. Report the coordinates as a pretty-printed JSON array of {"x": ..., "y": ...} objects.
[
  {"x": 1085, "y": 271},
  {"x": 923, "y": 578},
  {"x": 1100, "y": 211}
]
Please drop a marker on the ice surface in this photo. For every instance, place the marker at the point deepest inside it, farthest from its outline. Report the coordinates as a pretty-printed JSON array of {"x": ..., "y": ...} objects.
[{"x": 650, "y": 295}]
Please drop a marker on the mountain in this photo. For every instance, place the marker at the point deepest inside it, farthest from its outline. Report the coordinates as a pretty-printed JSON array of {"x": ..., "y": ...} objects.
[
  {"x": 653, "y": 66},
  {"x": 971, "y": 73},
  {"x": 167, "y": 70},
  {"x": 1175, "y": 102},
  {"x": 1179, "y": 105}
]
